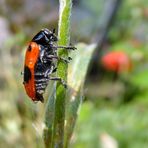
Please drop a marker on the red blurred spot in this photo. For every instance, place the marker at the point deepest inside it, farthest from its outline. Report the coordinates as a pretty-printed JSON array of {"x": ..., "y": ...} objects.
[{"x": 117, "y": 61}]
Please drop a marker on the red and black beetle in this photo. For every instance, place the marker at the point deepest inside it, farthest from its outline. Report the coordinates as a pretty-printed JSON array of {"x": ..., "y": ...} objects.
[{"x": 40, "y": 63}]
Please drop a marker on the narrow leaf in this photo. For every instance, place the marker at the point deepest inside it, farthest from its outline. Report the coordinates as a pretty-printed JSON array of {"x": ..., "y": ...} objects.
[{"x": 77, "y": 71}]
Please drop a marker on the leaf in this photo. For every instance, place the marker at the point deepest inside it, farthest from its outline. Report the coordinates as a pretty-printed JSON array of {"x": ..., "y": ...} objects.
[
  {"x": 49, "y": 118},
  {"x": 77, "y": 71}
]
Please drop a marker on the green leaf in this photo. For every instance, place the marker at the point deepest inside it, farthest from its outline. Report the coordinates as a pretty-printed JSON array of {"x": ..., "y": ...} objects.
[
  {"x": 77, "y": 68},
  {"x": 49, "y": 118},
  {"x": 77, "y": 71}
]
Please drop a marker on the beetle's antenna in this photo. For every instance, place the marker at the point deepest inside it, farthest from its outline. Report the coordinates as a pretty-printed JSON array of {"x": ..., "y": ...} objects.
[{"x": 54, "y": 30}]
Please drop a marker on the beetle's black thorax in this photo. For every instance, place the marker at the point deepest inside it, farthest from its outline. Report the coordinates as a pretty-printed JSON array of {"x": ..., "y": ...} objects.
[
  {"x": 41, "y": 39},
  {"x": 45, "y": 37}
]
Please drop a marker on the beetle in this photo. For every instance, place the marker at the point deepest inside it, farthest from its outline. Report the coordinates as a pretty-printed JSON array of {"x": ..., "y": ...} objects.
[{"x": 40, "y": 63}]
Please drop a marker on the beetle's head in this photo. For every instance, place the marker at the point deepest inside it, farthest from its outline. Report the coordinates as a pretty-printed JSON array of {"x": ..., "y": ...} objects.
[
  {"x": 45, "y": 37},
  {"x": 50, "y": 35}
]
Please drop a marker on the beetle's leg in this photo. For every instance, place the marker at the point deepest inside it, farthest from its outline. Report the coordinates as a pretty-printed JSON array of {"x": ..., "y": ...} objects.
[
  {"x": 65, "y": 47},
  {"x": 59, "y": 58},
  {"x": 22, "y": 73},
  {"x": 60, "y": 80},
  {"x": 54, "y": 70},
  {"x": 49, "y": 71}
]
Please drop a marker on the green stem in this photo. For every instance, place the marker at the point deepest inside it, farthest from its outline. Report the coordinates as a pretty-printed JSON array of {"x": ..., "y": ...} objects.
[{"x": 63, "y": 35}]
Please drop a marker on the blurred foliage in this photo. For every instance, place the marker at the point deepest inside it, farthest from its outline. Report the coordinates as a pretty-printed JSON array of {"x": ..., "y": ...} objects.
[
  {"x": 127, "y": 124},
  {"x": 115, "y": 105}
]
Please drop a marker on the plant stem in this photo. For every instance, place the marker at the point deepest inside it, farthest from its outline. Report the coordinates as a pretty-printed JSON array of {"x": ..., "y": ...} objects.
[{"x": 63, "y": 35}]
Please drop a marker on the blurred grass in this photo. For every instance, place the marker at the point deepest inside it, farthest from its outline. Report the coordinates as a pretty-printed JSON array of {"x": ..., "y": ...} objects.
[{"x": 127, "y": 124}]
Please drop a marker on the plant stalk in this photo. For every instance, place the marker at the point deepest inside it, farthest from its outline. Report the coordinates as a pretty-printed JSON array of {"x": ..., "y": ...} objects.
[{"x": 64, "y": 37}]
